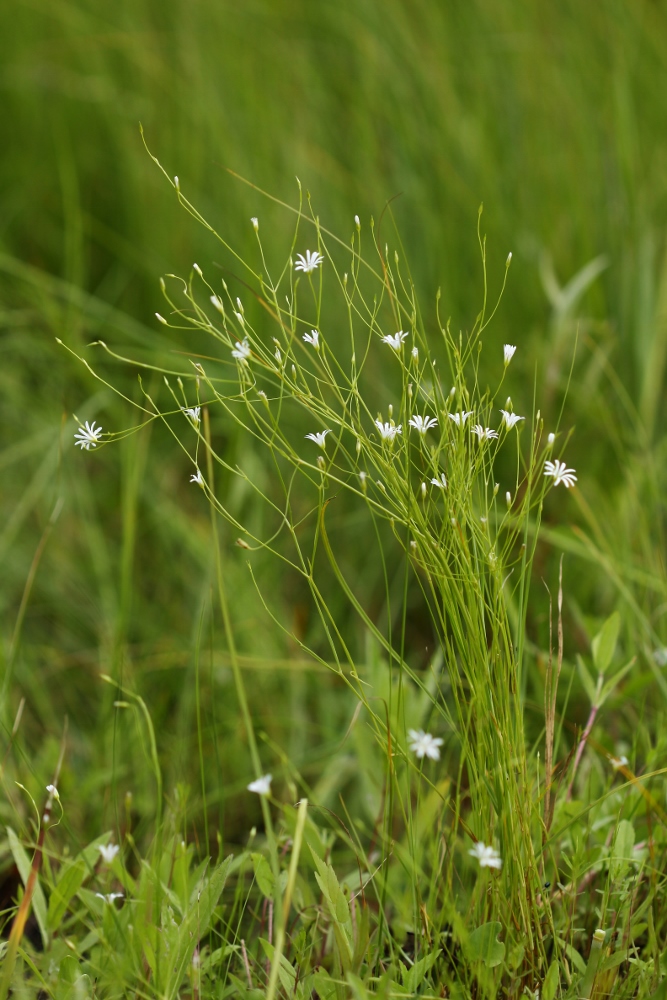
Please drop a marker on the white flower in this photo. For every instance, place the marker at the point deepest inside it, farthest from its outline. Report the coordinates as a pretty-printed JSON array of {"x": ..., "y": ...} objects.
[
  {"x": 488, "y": 857},
  {"x": 510, "y": 419},
  {"x": 193, "y": 412},
  {"x": 357, "y": 221},
  {"x": 508, "y": 352},
  {"x": 560, "y": 473},
  {"x": 255, "y": 223},
  {"x": 217, "y": 302},
  {"x": 424, "y": 745},
  {"x": 309, "y": 262},
  {"x": 242, "y": 350},
  {"x": 262, "y": 786},
  {"x": 108, "y": 852},
  {"x": 618, "y": 762},
  {"x": 198, "y": 269},
  {"x": 551, "y": 439},
  {"x": 508, "y": 498},
  {"x": 395, "y": 340},
  {"x": 109, "y": 897},
  {"x": 660, "y": 656},
  {"x": 484, "y": 433},
  {"x": 278, "y": 356},
  {"x": 388, "y": 431},
  {"x": 312, "y": 338},
  {"x": 422, "y": 424},
  {"x": 197, "y": 478},
  {"x": 53, "y": 791},
  {"x": 88, "y": 436},
  {"x": 415, "y": 353},
  {"x": 441, "y": 482},
  {"x": 319, "y": 437},
  {"x": 460, "y": 418}
]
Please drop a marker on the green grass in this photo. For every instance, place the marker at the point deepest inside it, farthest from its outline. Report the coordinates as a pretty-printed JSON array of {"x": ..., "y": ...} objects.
[{"x": 553, "y": 118}]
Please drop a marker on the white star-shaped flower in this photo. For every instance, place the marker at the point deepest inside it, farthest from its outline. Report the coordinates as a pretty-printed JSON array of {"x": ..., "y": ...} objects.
[
  {"x": 441, "y": 482},
  {"x": 88, "y": 436},
  {"x": 560, "y": 473},
  {"x": 318, "y": 437},
  {"x": 508, "y": 352},
  {"x": 309, "y": 263},
  {"x": 484, "y": 433},
  {"x": 395, "y": 340},
  {"x": 422, "y": 424},
  {"x": 460, "y": 418},
  {"x": 261, "y": 786},
  {"x": 488, "y": 857},
  {"x": 510, "y": 419},
  {"x": 241, "y": 351},
  {"x": 312, "y": 338},
  {"x": 197, "y": 478},
  {"x": 388, "y": 431},
  {"x": 109, "y": 897},
  {"x": 108, "y": 852},
  {"x": 194, "y": 412},
  {"x": 424, "y": 745}
]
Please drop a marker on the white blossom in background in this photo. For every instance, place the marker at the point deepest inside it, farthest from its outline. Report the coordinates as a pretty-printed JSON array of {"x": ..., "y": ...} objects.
[
  {"x": 108, "y": 852},
  {"x": 440, "y": 482},
  {"x": 422, "y": 424},
  {"x": 255, "y": 223},
  {"x": 618, "y": 762},
  {"x": 510, "y": 419},
  {"x": 357, "y": 221},
  {"x": 88, "y": 436},
  {"x": 488, "y": 857},
  {"x": 395, "y": 340},
  {"x": 53, "y": 792},
  {"x": 415, "y": 353},
  {"x": 197, "y": 478},
  {"x": 508, "y": 352},
  {"x": 388, "y": 431},
  {"x": 193, "y": 412},
  {"x": 217, "y": 302},
  {"x": 660, "y": 656},
  {"x": 261, "y": 786},
  {"x": 484, "y": 433},
  {"x": 312, "y": 338},
  {"x": 461, "y": 417},
  {"x": 241, "y": 350},
  {"x": 109, "y": 897},
  {"x": 551, "y": 439},
  {"x": 424, "y": 745},
  {"x": 560, "y": 473},
  {"x": 318, "y": 437},
  {"x": 309, "y": 263}
]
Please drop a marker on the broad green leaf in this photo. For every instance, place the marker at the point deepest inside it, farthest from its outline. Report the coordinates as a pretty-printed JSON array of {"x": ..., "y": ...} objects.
[
  {"x": 551, "y": 982},
  {"x": 264, "y": 875},
  {"x": 325, "y": 987},
  {"x": 67, "y": 886},
  {"x": 484, "y": 946},
  {"x": 604, "y": 643},
  {"x": 621, "y": 849},
  {"x": 24, "y": 863},
  {"x": 417, "y": 973}
]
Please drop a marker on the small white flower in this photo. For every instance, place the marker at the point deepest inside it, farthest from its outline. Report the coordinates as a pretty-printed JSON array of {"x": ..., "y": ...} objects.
[
  {"x": 197, "y": 478},
  {"x": 318, "y": 437},
  {"x": 424, "y": 745},
  {"x": 278, "y": 356},
  {"x": 87, "y": 437},
  {"x": 560, "y": 473},
  {"x": 109, "y": 897},
  {"x": 484, "y": 433},
  {"x": 261, "y": 786},
  {"x": 240, "y": 318},
  {"x": 551, "y": 439},
  {"x": 388, "y": 431},
  {"x": 415, "y": 353},
  {"x": 53, "y": 792},
  {"x": 660, "y": 656},
  {"x": 241, "y": 351},
  {"x": 508, "y": 352},
  {"x": 255, "y": 223},
  {"x": 422, "y": 424},
  {"x": 161, "y": 319},
  {"x": 488, "y": 857},
  {"x": 308, "y": 263},
  {"x": 440, "y": 482},
  {"x": 108, "y": 852},
  {"x": 618, "y": 762},
  {"x": 217, "y": 302},
  {"x": 357, "y": 221},
  {"x": 312, "y": 338},
  {"x": 510, "y": 419},
  {"x": 198, "y": 269},
  {"x": 395, "y": 340},
  {"x": 194, "y": 412},
  {"x": 460, "y": 418}
]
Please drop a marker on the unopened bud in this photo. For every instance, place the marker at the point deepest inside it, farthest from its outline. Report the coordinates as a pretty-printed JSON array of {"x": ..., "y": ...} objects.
[
  {"x": 255, "y": 223},
  {"x": 423, "y": 490},
  {"x": 197, "y": 268},
  {"x": 161, "y": 319},
  {"x": 509, "y": 259},
  {"x": 508, "y": 498},
  {"x": 551, "y": 439},
  {"x": 357, "y": 222}
]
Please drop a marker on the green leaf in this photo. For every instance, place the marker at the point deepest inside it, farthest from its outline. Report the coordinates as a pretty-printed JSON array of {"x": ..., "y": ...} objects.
[
  {"x": 603, "y": 645},
  {"x": 551, "y": 982},
  {"x": 417, "y": 973},
  {"x": 67, "y": 886},
  {"x": 614, "y": 681},
  {"x": 286, "y": 972},
  {"x": 264, "y": 875},
  {"x": 484, "y": 946},
  {"x": 621, "y": 850},
  {"x": 24, "y": 864},
  {"x": 587, "y": 680}
]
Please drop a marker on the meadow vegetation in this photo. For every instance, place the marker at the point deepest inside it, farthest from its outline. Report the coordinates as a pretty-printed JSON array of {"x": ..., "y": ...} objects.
[{"x": 320, "y": 676}]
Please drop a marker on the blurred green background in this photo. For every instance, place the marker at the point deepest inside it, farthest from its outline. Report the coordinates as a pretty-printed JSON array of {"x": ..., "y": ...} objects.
[{"x": 552, "y": 115}]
